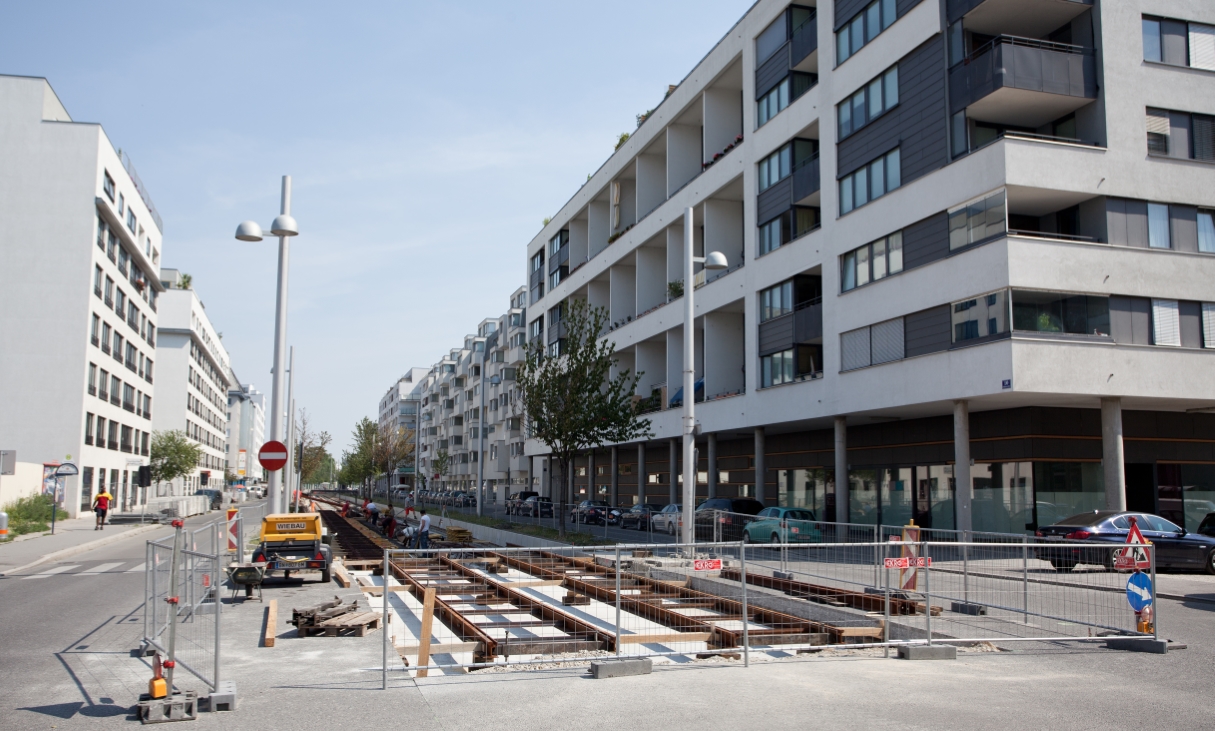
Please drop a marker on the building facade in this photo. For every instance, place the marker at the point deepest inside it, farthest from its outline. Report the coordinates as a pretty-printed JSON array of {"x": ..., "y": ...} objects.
[
  {"x": 246, "y": 431},
  {"x": 76, "y": 379},
  {"x": 194, "y": 383},
  {"x": 970, "y": 245},
  {"x": 399, "y": 409}
]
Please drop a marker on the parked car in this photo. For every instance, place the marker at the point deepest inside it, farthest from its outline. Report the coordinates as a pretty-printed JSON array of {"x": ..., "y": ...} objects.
[
  {"x": 590, "y": 511},
  {"x": 216, "y": 496},
  {"x": 782, "y": 525},
  {"x": 667, "y": 519},
  {"x": 1176, "y": 548},
  {"x": 638, "y": 516},
  {"x": 515, "y": 500},
  {"x": 1207, "y": 526},
  {"x": 723, "y": 518},
  {"x": 536, "y": 507}
]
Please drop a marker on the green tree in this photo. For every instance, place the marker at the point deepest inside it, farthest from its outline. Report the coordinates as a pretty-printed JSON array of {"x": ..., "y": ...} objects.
[
  {"x": 172, "y": 455},
  {"x": 358, "y": 463},
  {"x": 393, "y": 448},
  {"x": 570, "y": 399},
  {"x": 441, "y": 464},
  {"x": 312, "y": 448}
]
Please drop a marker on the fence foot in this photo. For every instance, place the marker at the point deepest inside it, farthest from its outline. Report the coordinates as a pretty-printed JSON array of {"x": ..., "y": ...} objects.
[
  {"x": 223, "y": 698},
  {"x": 975, "y": 610},
  {"x": 621, "y": 668},
  {"x": 1137, "y": 644},
  {"x": 928, "y": 652}
]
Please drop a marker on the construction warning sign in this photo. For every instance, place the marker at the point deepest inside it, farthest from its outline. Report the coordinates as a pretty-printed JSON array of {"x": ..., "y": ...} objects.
[
  {"x": 706, "y": 564},
  {"x": 909, "y": 562},
  {"x": 1134, "y": 556}
]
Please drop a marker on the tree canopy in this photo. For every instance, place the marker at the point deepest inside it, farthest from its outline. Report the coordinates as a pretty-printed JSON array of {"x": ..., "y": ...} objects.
[{"x": 172, "y": 455}]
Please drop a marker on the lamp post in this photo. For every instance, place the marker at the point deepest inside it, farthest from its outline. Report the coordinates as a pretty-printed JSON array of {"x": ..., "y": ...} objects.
[
  {"x": 713, "y": 261},
  {"x": 284, "y": 227}
]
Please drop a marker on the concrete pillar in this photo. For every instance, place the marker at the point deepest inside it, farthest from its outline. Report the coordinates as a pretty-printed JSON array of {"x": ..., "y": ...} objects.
[
  {"x": 641, "y": 475},
  {"x": 673, "y": 496},
  {"x": 963, "y": 485},
  {"x": 614, "y": 494},
  {"x": 761, "y": 468},
  {"x": 711, "y": 447},
  {"x": 1113, "y": 461},
  {"x": 590, "y": 476},
  {"x": 841, "y": 469}
]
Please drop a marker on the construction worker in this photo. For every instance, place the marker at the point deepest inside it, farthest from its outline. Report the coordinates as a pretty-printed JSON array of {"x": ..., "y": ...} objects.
[{"x": 422, "y": 538}]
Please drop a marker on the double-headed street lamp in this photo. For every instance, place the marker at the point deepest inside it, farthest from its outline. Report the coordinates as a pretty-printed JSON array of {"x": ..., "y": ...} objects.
[
  {"x": 714, "y": 261},
  {"x": 283, "y": 227}
]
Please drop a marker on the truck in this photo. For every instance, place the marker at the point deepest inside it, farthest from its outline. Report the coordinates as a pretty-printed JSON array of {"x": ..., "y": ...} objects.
[{"x": 294, "y": 542}]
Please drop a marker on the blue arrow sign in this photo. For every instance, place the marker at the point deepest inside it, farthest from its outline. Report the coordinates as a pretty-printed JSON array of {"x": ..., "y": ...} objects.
[{"x": 1139, "y": 591}]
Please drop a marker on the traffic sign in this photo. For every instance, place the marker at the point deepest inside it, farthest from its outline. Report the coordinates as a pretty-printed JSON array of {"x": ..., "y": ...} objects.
[
  {"x": 1133, "y": 556},
  {"x": 272, "y": 455},
  {"x": 706, "y": 564},
  {"x": 1139, "y": 591},
  {"x": 908, "y": 562}
]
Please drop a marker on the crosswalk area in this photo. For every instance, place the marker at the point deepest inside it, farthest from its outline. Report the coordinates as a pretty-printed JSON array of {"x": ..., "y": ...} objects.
[{"x": 84, "y": 568}]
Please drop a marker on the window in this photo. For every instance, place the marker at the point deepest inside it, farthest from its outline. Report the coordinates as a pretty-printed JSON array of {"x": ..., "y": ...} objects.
[
  {"x": 1206, "y": 232},
  {"x": 873, "y": 345},
  {"x": 980, "y": 317},
  {"x": 537, "y": 329},
  {"x": 122, "y": 205},
  {"x": 780, "y": 96},
  {"x": 781, "y": 164},
  {"x": 561, "y": 239},
  {"x": 93, "y": 379},
  {"x": 870, "y": 182},
  {"x": 776, "y": 301},
  {"x": 131, "y": 223},
  {"x": 109, "y": 291},
  {"x": 1151, "y": 40},
  {"x": 118, "y": 343},
  {"x": 105, "y": 337},
  {"x": 866, "y": 105},
  {"x": 1158, "y": 131},
  {"x": 1052, "y": 312},
  {"x": 126, "y": 439},
  {"x": 977, "y": 221},
  {"x": 538, "y": 262},
  {"x": 115, "y": 390},
  {"x": 877, "y": 17},
  {"x": 128, "y": 397},
  {"x": 1158, "y": 226},
  {"x": 94, "y": 335},
  {"x": 1179, "y": 43},
  {"x": 88, "y": 428},
  {"x": 872, "y": 262},
  {"x": 101, "y": 230},
  {"x": 1181, "y": 134},
  {"x": 795, "y": 222},
  {"x": 776, "y": 369},
  {"x": 131, "y": 353},
  {"x": 1166, "y": 323},
  {"x": 107, "y": 184}
]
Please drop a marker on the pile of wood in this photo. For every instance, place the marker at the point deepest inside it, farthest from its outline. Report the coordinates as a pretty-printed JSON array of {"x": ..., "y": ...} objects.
[
  {"x": 334, "y": 619},
  {"x": 458, "y": 535}
]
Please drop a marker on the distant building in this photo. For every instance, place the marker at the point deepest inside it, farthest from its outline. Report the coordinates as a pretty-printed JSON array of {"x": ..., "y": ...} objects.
[{"x": 246, "y": 431}]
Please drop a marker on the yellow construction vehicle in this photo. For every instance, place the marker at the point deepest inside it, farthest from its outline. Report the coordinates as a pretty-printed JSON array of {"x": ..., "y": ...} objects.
[{"x": 294, "y": 542}]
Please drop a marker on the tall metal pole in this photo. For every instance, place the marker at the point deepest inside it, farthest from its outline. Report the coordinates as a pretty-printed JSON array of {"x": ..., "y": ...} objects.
[
  {"x": 689, "y": 384},
  {"x": 280, "y": 350},
  {"x": 289, "y": 470}
]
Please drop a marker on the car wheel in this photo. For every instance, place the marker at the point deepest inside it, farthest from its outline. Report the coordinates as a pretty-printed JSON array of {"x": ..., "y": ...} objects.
[
  {"x": 775, "y": 538},
  {"x": 325, "y": 576},
  {"x": 1063, "y": 564},
  {"x": 671, "y": 527},
  {"x": 746, "y": 537},
  {"x": 1210, "y": 563}
]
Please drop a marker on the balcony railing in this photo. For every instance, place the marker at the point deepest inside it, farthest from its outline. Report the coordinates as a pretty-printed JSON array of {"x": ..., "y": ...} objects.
[
  {"x": 1027, "y": 64},
  {"x": 1049, "y": 235}
]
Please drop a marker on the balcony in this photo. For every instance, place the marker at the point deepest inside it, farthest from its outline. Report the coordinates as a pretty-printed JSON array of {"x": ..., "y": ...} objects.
[
  {"x": 1022, "y": 82},
  {"x": 1019, "y": 17},
  {"x": 799, "y": 51}
]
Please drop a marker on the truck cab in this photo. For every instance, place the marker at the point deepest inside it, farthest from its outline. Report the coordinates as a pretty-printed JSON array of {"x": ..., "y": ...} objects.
[{"x": 294, "y": 542}]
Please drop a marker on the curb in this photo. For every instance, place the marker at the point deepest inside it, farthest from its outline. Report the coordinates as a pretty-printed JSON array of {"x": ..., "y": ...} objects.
[{"x": 73, "y": 550}]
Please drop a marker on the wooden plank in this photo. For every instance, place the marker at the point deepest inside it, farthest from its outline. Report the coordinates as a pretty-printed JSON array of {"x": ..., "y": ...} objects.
[
  {"x": 271, "y": 624},
  {"x": 673, "y": 637},
  {"x": 340, "y": 573},
  {"x": 378, "y": 590},
  {"x": 860, "y": 631},
  {"x": 440, "y": 648},
  {"x": 428, "y": 615}
]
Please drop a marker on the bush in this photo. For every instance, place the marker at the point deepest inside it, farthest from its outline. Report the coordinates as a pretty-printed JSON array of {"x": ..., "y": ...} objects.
[{"x": 30, "y": 515}]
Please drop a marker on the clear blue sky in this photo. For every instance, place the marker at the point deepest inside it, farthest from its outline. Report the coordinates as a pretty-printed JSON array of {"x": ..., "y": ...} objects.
[{"x": 427, "y": 141}]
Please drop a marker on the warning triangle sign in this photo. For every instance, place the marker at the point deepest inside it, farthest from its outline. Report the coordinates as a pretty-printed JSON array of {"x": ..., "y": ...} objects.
[{"x": 1134, "y": 556}]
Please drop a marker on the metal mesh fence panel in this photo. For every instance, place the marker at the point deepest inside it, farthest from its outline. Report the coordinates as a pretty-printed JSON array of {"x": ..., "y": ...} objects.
[{"x": 196, "y": 612}]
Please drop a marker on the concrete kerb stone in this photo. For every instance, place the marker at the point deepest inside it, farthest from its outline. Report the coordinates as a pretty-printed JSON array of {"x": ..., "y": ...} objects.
[
  {"x": 622, "y": 668},
  {"x": 928, "y": 652},
  {"x": 81, "y": 548}
]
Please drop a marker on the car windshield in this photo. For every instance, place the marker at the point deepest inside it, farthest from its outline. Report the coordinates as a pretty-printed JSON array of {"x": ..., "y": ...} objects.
[
  {"x": 1207, "y": 527},
  {"x": 747, "y": 507}
]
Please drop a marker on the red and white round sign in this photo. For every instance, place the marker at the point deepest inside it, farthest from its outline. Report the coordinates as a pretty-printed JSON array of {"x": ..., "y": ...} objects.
[{"x": 272, "y": 455}]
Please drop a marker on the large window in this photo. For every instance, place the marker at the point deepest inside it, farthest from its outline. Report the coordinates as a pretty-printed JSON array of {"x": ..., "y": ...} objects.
[
  {"x": 554, "y": 245},
  {"x": 872, "y": 262},
  {"x": 782, "y": 95},
  {"x": 980, "y": 317},
  {"x": 795, "y": 222},
  {"x": 776, "y": 301},
  {"x": 1179, "y": 43},
  {"x": 870, "y": 182},
  {"x": 1158, "y": 226},
  {"x": 977, "y": 221},
  {"x": 1206, "y": 232},
  {"x": 781, "y": 164},
  {"x": 877, "y": 17},
  {"x": 1181, "y": 134},
  {"x": 1054, "y": 312},
  {"x": 869, "y": 103}
]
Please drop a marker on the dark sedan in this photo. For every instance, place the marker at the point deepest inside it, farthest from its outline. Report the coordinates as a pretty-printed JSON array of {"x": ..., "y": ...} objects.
[
  {"x": 590, "y": 511},
  {"x": 638, "y": 516},
  {"x": 1175, "y": 547},
  {"x": 535, "y": 507}
]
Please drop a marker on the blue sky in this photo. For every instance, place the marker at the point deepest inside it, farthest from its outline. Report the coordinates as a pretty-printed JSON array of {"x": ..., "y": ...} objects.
[{"x": 427, "y": 142}]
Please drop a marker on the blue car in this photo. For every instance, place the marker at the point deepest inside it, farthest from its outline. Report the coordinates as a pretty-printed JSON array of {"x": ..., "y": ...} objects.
[
  {"x": 1176, "y": 548},
  {"x": 782, "y": 525}
]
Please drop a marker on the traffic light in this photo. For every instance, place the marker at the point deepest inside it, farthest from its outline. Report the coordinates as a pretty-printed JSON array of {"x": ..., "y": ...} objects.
[{"x": 145, "y": 476}]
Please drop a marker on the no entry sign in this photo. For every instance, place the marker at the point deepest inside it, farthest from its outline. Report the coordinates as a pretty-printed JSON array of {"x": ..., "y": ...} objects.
[
  {"x": 706, "y": 564},
  {"x": 272, "y": 455}
]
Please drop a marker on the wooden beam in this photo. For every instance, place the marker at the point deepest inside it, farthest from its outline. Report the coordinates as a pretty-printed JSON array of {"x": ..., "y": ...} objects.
[
  {"x": 428, "y": 615},
  {"x": 439, "y": 649},
  {"x": 271, "y": 628},
  {"x": 342, "y": 576},
  {"x": 379, "y": 590},
  {"x": 673, "y": 637}
]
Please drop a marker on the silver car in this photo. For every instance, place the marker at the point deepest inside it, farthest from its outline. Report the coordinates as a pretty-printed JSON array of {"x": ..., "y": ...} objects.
[{"x": 667, "y": 519}]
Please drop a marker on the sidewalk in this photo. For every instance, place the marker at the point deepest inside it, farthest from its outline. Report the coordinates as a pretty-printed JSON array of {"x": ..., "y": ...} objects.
[{"x": 71, "y": 536}]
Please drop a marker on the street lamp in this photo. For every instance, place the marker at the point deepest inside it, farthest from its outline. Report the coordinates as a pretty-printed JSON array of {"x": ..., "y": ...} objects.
[
  {"x": 714, "y": 261},
  {"x": 284, "y": 227}
]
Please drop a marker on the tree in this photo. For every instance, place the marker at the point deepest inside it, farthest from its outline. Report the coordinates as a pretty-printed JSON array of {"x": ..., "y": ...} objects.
[
  {"x": 172, "y": 455},
  {"x": 393, "y": 448},
  {"x": 358, "y": 465},
  {"x": 312, "y": 447},
  {"x": 186, "y": 280},
  {"x": 570, "y": 399},
  {"x": 441, "y": 464}
]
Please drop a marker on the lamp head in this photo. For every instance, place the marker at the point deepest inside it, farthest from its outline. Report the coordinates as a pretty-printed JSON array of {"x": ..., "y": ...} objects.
[
  {"x": 249, "y": 231},
  {"x": 716, "y": 260},
  {"x": 284, "y": 225}
]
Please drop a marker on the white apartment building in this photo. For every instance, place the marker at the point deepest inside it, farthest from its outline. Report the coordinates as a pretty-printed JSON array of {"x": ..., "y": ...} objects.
[
  {"x": 246, "y": 431},
  {"x": 971, "y": 249},
  {"x": 78, "y": 297},
  {"x": 194, "y": 382},
  {"x": 452, "y": 415},
  {"x": 399, "y": 409}
]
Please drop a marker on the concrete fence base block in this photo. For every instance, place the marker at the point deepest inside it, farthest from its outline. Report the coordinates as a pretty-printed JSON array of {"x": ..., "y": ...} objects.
[
  {"x": 1137, "y": 644},
  {"x": 621, "y": 668},
  {"x": 223, "y": 698},
  {"x": 974, "y": 610},
  {"x": 928, "y": 652}
]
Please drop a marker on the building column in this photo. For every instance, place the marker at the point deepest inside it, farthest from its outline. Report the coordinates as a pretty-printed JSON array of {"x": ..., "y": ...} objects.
[
  {"x": 673, "y": 496},
  {"x": 963, "y": 485},
  {"x": 761, "y": 469},
  {"x": 590, "y": 475},
  {"x": 711, "y": 447},
  {"x": 841, "y": 469},
  {"x": 1113, "y": 460},
  {"x": 641, "y": 476},
  {"x": 614, "y": 492}
]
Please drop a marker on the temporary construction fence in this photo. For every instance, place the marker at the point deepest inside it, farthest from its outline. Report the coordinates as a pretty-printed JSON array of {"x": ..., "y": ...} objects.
[{"x": 454, "y": 611}]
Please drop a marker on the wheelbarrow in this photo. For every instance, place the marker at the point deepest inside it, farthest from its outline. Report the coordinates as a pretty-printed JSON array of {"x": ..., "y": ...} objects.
[{"x": 248, "y": 575}]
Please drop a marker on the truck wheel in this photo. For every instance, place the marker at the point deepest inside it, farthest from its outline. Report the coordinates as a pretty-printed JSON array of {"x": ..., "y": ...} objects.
[{"x": 326, "y": 577}]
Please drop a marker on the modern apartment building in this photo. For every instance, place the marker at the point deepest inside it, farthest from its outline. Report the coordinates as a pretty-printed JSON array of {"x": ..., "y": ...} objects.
[
  {"x": 194, "y": 374},
  {"x": 971, "y": 253},
  {"x": 246, "y": 431},
  {"x": 78, "y": 297},
  {"x": 399, "y": 409},
  {"x": 454, "y": 410}
]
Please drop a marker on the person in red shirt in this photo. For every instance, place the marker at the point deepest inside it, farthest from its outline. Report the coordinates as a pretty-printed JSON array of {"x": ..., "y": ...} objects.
[{"x": 101, "y": 506}]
